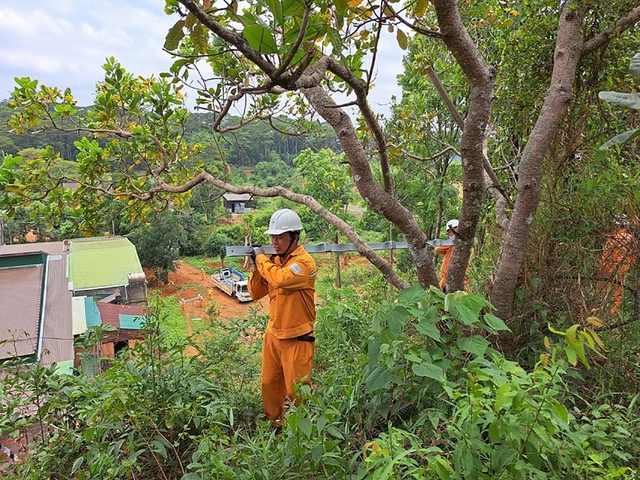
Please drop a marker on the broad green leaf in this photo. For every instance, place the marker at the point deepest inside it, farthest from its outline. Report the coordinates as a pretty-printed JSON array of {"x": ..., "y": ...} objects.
[
  {"x": 504, "y": 396},
  {"x": 571, "y": 355},
  {"x": 175, "y": 34},
  {"x": 293, "y": 8},
  {"x": 442, "y": 467},
  {"x": 571, "y": 335},
  {"x": 477, "y": 345},
  {"x": 501, "y": 456},
  {"x": 412, "y": 357},
  {"x": 561, "y": 411},
  {"x": 378, "y": 379},
  {"x": 158, "y": 447},
  {"x": 276, "y": 8},
  {"x": 305, "y": 425},
  {"x": 373, "y": 351},
  {"x": 428, "y": 370},
  {"x": 401, "y": 38},
  {"x": 495, "y": 430},
  {"x": 428, "y": 328},
  {"x": 412, "y": 295},
  {"x": 621, "y": 138},
  {"x": 495, "y": 324},
  {"x": 627, "y": 100},
  {"x": 260, "y": 38},
  {"x": 396, "y": 319},
  {"x": 465, "y": 315}
]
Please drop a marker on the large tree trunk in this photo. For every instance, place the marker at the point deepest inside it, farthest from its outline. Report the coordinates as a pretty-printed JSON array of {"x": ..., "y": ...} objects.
[
  {"x": 481, "y": 80},
  {"x": 512, "y": 255}
]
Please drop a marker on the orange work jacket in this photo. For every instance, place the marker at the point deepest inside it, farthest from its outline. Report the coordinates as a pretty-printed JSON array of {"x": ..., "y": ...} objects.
[
  {"x": 618, "y": 255},
  {"x": 446, "y": 251},
  {"x": 291, "y": 289}
]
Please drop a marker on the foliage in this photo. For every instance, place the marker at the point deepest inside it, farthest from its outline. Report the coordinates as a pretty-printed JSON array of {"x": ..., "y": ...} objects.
[
  {"x": 214, "y": 245},
  {"x": 625, "y": 100},
  {"x": 158, "y": 244},
  {"x": 404, "y": 389}
]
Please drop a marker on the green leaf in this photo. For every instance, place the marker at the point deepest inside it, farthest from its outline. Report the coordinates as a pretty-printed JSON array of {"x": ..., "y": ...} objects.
[
  {"x": 627, "y": 100},
  {"x": 77, "y": 464},
  {"x": 428, "y": 370},
  {"x": 305, "y": 425},
  {"x": 465, "y": 315},
  {"x": 504, "y": 397},
  {"x": 621, "y": 138},
  {"x": 373, "y": 352},
  {"x": 495, "y": 324},
  {"x": 175, "y": 34},
  {"x": 501, "y": 456},
  {"x": 412, "y": 295},
  {"x": 442, "y": 467},
  {"x": 571, "y": 355},
  {"x": 157, "y": 446},
  {"x": 378, "y": 379},
  {"x": 293, "y": 8},
  {"x": 396, "y": 319},
  {"x": 260, "y": 38},
  {"x": 561, "y": 411},
  {"x": 428, "y": 328},
  {"x": 477, "y": 345},
  {"x": 276, "y": 8}
]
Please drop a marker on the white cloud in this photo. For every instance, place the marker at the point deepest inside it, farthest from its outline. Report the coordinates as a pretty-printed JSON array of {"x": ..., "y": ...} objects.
[{"x": 64, "y": 43}]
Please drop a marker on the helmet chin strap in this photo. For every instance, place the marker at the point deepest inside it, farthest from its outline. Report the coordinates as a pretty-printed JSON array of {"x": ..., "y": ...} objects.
[{"x": 287, "y": 251}]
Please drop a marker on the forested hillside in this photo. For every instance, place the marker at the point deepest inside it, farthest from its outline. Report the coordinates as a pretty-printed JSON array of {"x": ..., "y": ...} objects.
[{"x": 246, "y": 147}]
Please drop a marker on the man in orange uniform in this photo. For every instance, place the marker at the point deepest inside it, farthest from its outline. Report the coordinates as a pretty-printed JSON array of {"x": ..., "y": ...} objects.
[
  {"x": 289, "y": 278},
  {"x": 446, "y": 251},
  {"x": 617, "y": 258}
]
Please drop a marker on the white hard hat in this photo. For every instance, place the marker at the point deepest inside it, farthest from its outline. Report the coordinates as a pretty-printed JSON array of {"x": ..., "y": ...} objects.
[
  {"x": 284, "y": 220},
  {"x": 452, "y": 224}
]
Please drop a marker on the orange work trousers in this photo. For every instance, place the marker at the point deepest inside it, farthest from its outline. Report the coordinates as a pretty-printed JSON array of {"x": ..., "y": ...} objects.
[{"x": 284, "y": 364}]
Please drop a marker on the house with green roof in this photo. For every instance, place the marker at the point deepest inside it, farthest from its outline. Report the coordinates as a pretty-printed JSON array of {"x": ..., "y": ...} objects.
[{"x": 99, "y": 266}]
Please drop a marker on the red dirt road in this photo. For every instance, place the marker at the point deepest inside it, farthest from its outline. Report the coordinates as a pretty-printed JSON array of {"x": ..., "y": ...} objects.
[{"x": 188, "y": 282}]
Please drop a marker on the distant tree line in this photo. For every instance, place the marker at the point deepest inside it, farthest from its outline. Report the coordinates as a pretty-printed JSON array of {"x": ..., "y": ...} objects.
[{"x": 246, "y": 147}]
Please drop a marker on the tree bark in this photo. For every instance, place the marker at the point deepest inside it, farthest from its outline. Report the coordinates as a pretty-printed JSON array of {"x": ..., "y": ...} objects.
[
  {"x": 380, "y": 200},
  {"x": 481, "y": 81},
  {"x": 529, "y": 187}
]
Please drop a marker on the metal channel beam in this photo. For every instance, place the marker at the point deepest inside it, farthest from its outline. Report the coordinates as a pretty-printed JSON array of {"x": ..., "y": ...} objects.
[{"x": 241, "y": 250}]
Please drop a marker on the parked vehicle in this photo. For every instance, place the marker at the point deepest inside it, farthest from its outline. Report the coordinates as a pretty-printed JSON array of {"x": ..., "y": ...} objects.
[{"x": 233, "y": 283}]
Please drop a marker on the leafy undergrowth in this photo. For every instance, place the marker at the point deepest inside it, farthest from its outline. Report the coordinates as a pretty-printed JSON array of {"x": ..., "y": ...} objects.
[{"x": 409, "y": 388}]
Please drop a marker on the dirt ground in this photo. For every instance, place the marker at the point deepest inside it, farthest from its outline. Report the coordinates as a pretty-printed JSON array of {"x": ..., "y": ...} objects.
[{"x": 195, "y": 289}]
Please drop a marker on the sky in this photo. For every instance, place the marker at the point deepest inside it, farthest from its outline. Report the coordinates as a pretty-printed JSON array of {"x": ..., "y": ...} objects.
[{"x": 64, "y": 43}]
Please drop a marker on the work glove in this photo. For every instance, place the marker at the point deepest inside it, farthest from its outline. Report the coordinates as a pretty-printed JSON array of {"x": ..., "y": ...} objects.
[{"x": 257, "y": 250}]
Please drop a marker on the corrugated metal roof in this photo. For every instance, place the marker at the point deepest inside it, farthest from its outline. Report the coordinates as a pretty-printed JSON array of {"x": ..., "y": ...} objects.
[
  {"x": 20, "y": 300},
  {"x": 57, "y": 341},
  {"x": 48, "y": 247},
  {"x": 102, "y": 262},
  {"x": 111, "y": 314},
  {"x": 237, "y": 197},
  {"x": 92, "y": 313},
  {"x": 56, "y": 344}
]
